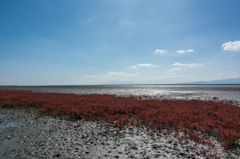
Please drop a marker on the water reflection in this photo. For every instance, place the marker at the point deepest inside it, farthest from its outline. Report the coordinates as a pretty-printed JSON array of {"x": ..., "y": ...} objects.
[{"x": 6, "y": 125}]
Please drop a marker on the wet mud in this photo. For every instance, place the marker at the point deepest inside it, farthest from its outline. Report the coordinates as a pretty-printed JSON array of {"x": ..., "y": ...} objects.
[{"x": 28, "y": 135}]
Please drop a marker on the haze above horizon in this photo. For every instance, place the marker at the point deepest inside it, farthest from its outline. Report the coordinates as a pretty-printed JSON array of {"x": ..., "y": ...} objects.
[{"x": 121, "y": 42}]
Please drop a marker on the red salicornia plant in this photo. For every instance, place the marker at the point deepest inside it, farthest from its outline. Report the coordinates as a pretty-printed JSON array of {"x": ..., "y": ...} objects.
[{"x": 213, "y": 117}]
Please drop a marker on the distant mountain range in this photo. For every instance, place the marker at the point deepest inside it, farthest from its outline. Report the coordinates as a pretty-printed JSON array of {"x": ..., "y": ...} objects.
[{"x": 224, "y": 81}]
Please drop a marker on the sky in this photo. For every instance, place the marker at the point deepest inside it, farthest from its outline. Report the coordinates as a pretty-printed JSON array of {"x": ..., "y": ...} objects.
[{"x": 79, "y": 42}]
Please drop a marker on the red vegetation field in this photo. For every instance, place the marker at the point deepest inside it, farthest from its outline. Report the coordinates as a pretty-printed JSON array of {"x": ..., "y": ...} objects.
[{"x": 195, "y": 118}]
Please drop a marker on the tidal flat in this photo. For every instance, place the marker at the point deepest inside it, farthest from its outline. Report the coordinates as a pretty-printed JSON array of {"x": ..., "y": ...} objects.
[
  {"x": 60, "y": 125},
  {"x": 46, "y": 136}
]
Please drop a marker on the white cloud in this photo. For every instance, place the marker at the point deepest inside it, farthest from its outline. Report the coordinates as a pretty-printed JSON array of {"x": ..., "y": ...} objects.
[
  {"x": 146, "y": 65},
  {"x": 143, "y": 65},
  {"x": 188, "y": 65},
  {"x": 134, "y": 66},
  {"x": 121, "y": 74},
  {"x": 190, "y": 50},
  {"x": 157, "y": 51},
  {"x": 116, "y": 73},
  {"x": 111, "y": 74},
  {"x": 195, "y": 64},
  {"x": 231, "y": 46},
  {"x": 181, "y": 51},
  {"x": 179, "y": 64},
  {"x": 175, "y": 69}
]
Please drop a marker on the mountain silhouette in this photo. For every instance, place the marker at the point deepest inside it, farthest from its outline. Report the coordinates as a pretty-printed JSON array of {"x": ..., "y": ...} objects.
[{"x": 223, "y": 81}]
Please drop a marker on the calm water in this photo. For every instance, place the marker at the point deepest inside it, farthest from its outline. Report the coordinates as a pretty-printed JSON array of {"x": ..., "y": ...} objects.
[{"x": 229, "y": 92}]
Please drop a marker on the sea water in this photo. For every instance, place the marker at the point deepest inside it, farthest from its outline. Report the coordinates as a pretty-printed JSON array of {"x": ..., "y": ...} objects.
[{"x": 202, "y": 92}]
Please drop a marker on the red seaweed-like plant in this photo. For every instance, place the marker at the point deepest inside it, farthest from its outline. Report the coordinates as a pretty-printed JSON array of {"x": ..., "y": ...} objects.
[{"x": 195, "y": 118}]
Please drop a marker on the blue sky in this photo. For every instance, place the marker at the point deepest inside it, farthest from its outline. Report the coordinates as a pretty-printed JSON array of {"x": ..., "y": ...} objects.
[{"x": 82, "y": 42}]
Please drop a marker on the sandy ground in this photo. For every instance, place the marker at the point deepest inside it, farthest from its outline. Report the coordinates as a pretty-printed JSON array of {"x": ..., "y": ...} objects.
[{"x": 28, "y": 135}]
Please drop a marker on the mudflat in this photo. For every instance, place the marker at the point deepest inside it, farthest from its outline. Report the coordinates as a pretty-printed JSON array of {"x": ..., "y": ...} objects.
[{"x": 28, "y": 135}]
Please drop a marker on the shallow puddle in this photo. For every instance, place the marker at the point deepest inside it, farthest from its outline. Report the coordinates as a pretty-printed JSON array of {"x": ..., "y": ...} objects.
[
  {"x": 6, "y": 125},
  {"x": 12, "y": 124}
]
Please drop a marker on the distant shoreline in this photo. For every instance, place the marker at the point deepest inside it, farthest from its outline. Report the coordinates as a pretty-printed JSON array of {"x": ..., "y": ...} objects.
[{"x": 110, "y": 85}]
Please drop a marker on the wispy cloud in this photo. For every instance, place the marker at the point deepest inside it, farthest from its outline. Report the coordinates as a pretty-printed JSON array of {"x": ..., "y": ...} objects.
[
  {"x": 127, "y": 23},
  {"x": 189, "y": 50},
  {"x": 134, "y": 66},
  {"x": 175, "y": 69},
  {"x": 143, "y": 65},
  {"x": 116, "y": 73},
  {"x": 231, "y": 46},
  {"x": 180, "y": 51},
  {"x": 183, "y": 51},
  {"x": 146, "y": 65},
  {"x": 157, "y": 51},
  {"x": 111, "y": 74},
  {"x": 188, "y": 65}
]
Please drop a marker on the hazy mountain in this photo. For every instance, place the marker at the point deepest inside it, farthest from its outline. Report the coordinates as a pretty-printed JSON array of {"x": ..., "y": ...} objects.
[{"x": 224, "y": 81}]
